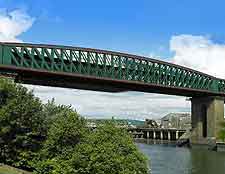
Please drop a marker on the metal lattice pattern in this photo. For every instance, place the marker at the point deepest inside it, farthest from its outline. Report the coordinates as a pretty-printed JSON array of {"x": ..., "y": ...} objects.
[{"x": 106, "y": 64}]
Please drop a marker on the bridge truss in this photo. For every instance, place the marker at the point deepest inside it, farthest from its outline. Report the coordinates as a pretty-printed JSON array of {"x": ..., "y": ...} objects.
[{"x": 41, "y": 64}]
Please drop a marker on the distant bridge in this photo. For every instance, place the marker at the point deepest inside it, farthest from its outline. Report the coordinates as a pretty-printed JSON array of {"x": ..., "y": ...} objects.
[{"x": 100, "y": 70}]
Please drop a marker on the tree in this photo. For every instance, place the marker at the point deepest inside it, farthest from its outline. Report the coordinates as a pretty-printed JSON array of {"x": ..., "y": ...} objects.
[
  {"x": 55, "y": 139},
  {"x": 107, "y": 150},
  {"x": 51, "y": 110},
  {"x": 21, "y": 125},
  {"x": 67, "y": 130}
]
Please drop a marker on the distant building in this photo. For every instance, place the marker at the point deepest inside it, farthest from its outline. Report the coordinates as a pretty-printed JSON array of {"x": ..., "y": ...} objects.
[
  {"x": 91, "y": 124},
  {"x": 176, "y": 120},
  {"x": 149, "y": 123}
]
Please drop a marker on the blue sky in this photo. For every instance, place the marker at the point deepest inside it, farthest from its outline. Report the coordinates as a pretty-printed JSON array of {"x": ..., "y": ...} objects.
[
  {"x": 141, "y": 27},
  {"x": 186, "y": 32}
]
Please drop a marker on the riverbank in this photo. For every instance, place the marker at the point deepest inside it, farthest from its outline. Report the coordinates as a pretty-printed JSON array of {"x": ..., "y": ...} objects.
[{"x": 5, "y": 169}]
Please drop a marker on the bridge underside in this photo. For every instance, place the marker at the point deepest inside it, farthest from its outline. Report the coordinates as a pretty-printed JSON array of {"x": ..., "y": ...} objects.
[{"x": 78, "y": 81}]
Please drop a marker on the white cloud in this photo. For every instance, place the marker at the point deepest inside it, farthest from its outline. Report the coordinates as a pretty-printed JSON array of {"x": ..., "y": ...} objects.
[
  {"x": 12, "y": 24},
  {"x": 197, "y": 52},
  {"x": 200, "y": 53},
  {"x": 136, "y": 105}
]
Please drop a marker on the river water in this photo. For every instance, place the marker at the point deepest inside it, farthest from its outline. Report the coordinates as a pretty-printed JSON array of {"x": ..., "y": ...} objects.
[{"x": 169, "y": 159}]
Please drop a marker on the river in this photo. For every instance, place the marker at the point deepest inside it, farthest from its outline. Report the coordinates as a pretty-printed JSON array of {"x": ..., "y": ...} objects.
[{"x": 169, "y": 159}]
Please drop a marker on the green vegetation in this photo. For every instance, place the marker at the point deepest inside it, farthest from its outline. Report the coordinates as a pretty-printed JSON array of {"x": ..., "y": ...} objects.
[
  {"x": 108, "y": 150},
  {"x": 21, "y": 125},
  {"x": 54, "y": 139},
  {"x": 222, "y": 132},
  {"x": 119, "y": 121}
]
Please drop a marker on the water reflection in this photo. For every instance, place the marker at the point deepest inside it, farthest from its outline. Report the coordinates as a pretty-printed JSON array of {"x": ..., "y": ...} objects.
[
  {"x": 168, "y": 159},
  {"x": 207, "y": 162}
]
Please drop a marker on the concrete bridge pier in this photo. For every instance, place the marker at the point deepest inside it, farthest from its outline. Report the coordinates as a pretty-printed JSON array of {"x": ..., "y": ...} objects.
[{"x": 207, "y": 113}]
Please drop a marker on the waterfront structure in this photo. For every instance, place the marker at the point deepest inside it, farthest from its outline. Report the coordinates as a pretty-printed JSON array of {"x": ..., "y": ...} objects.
[
  {"x": 176, "y": 120},
  {"x": 93, "y": 69},
  {"x": 150, "y": 123},
  {"x": 157, "y": 133}
]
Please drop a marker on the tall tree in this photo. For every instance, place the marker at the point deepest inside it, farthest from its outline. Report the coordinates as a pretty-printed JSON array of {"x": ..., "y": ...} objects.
[{"x": 21, "y": 124}]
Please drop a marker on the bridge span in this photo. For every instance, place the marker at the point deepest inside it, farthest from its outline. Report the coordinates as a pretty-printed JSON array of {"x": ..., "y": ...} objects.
[
  {"x": 94, "y": 69},
  {"x": 101, "y": 70}
]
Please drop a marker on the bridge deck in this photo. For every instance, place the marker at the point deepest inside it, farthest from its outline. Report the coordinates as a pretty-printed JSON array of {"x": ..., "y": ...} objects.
[{"x": 83, "y": 68}]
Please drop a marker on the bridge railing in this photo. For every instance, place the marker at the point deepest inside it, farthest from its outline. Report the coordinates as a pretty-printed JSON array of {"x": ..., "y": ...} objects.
[{"x": 106, "y": 64}]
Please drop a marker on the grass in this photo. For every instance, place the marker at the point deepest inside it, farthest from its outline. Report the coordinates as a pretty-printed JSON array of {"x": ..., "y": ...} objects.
[{"x": 4, "y": 169}]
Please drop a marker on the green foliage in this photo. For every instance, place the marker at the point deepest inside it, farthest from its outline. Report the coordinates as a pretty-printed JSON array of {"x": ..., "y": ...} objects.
[
  {"x": 222, "y": 132},
  {"x": 20, "y": 124},
  {"x": 66, "y": 131},
  {"x": 51, "y": 111},
  {"x": 54, "y": 139},
  {"x": 107, "y": 150}
]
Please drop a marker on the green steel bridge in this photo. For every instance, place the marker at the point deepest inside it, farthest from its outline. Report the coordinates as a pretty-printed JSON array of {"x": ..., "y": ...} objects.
[{"x": 93, "y": 69}]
